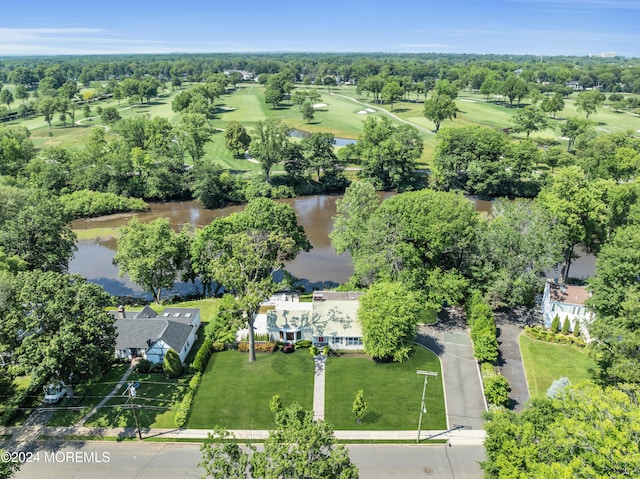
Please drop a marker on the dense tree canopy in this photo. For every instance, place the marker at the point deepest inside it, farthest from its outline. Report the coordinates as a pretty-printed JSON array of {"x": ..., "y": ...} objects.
[
  {"x": 55, "y": 325},
  {"x": 584, "y": 431},
  {"x": 298, "y": 447},
  {"x": 616, "y": 303}
]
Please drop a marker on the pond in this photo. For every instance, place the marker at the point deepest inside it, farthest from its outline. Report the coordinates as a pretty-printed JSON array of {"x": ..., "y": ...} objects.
[{"x": 319, "y": 268}]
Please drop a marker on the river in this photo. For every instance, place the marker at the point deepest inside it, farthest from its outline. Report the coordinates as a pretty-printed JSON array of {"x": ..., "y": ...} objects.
[{"x": 319, "y": 268}]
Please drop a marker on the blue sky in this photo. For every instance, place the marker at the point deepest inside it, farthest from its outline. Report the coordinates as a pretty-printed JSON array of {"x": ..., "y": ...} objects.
[{"x": 540, "y": 27}]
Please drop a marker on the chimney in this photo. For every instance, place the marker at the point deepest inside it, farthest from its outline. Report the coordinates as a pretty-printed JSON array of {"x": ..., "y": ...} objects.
[{"x": 121, "y": 314}]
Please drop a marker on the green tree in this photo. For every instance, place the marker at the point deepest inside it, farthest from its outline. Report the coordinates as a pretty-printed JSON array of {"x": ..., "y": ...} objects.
[
  {"x": 318, "y": 149},
  {"x": 16, "y": 149},
  {"x": 440, "y": 107},
  {"x": 615, "y": 300},
  {"x": 589, "y": 101},
  {"x": 517, "y": 243},
  {"x": 359, "y": 406},
  {"x": 298, "y": 447},
  {"x": 56, "y": 326},
  {"x": 47, "y": 106},
  {"x": 110, "y": 115},
  {"x": 529, "y": 119},
  {"x": 392, "y": 92},
  {"x": 273, "y": 96},
  {"x": 585, "y": 431},
  {"x": 254, "y": 244},
  {"x": 555, "y": 324},
  {"x": 573, "y": 128},
  {"x": 6, "y": 97},
  {"x": 270, "y": 144},
  {"x": 307, "y": 111},
  {"x": 353, "y": 211},
  {"x": 35, "y": 228},
  {"x": 171, "y": 365},
  {"x": 553, "y": 104},
  {"x": 8, "y": 469},
  {"x": 195, "y": 131},
  {"x": 514, "y": 88},
  {"x": 565, "y": 325},
  {"x": 149, "y": 254},
  {"x": 388, "y": 315},
  {"x": 236, "y": 138}
]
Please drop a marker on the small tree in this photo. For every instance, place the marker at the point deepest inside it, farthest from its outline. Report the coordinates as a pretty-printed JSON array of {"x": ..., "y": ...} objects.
[
  {"x": 576, "y": 328},
  {"x": 565, "y": 325},
  {"x": 555, "y": 324},
  {"x": 557, "y": 387},
  {"x": 172, "y": 366},
  {"x": 275, "y": 404},
  {"x": 359, "y": 405},
  {"x": 307, "y": 111}
]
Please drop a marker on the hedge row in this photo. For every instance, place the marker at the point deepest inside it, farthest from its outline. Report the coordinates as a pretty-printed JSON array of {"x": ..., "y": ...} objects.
[
  {"x": 202, "y": 357},
  {"x": 496, "y": 386},
  {"x": 483, "y": 328},
  {"x": 551, "y": 337},
  {"x": 185, "y": 405}
]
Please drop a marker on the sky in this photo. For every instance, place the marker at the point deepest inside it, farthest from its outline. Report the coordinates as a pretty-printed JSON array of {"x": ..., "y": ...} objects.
[{"x": 536, "y": 27}]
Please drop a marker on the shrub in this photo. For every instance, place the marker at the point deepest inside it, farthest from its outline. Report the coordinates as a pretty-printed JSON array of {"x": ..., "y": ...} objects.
[
  {"x": 172, "y": 366},
  {"x": 576, "y": 328},
  {"x": 143, "y": 366},
  {"x": 217, "y": 346},
  {"x": 565, "y": 325},
  {"x": 185, "y": 405},
  {"x": 555, "y": 324},
  {"x": 326, "y": 350},
  {"x": 202, "y": 357},
  {"x": 275, "y": 404},
  {"x": 303, "y": 343},
  {"x": 288, "y": 348},
  {"x": 260, "y": 347},
  {"x": 314, "y": 350},
  {"x": 557, "y": 387},
  {"x": 496, "y": 386},
  {"x": 86, "y": 203}
]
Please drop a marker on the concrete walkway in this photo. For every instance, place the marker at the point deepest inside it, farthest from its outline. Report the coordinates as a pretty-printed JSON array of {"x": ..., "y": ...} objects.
[
  {"x": 320, "y": 362},
  {"x": 106, "y": 399},
  {"x": 456, "y": 437}
]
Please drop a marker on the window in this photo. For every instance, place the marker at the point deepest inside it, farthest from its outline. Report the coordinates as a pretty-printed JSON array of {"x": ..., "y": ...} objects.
[
  {"x": 298, "y": 335},
  {"x": 321, "y": 339},
  {"x": 281, "y": 334},
  {"x": 176, "y": 315},
  {"x": 187, "y": 315},
  {"x": 290, "y": 336},
  {"x": 353, "y": 341}
]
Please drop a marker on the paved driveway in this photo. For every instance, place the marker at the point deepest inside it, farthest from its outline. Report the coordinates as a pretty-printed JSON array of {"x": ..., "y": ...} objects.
[
  {"x": 463, "y": 392},
  {"x": 511, "y": 365}
]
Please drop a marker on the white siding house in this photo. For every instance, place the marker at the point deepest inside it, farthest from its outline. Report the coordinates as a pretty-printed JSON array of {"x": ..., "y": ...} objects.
[
  {"x": 331, "y": 319},
  {"x": 566, "y": 301},
  {"x": 150, "y": 335}
]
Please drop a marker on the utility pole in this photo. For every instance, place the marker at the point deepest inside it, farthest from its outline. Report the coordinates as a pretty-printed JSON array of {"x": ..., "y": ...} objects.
[
  {"x": 132, "y": 390},
  {"x": 423, "y": 408}
]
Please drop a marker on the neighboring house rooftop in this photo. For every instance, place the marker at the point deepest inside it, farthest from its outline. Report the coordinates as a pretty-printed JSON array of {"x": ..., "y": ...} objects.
[{"x": 568, "y": 294}]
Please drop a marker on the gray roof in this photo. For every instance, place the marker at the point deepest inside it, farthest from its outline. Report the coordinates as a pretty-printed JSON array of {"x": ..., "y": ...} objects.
[
  {"x": 136, "y": 333},
  {"x": 180, "y": 315},
  {"x": 147, "y": 312},
  {"x": 141, "y": 333}
]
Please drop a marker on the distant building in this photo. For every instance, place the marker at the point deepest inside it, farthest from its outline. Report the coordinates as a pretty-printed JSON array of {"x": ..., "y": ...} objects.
[
  {"x": 566, "y": 301},
  {"x": 150, "y": 335}
]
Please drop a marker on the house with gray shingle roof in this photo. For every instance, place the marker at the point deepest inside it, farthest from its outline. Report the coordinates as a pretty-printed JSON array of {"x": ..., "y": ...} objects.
[{"x": 150, "y": 335}]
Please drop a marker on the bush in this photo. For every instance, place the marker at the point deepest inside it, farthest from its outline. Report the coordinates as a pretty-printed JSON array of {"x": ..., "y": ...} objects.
[
  {"x": 288, "y": 348},
  {"x": 304, "y": 343},
  {"x": 143, "y": 366},
  {"x": 326, "y": 350},
  {"x": 185, "y": 405},
  {"x": 86, "y": 203},
  {"x": 549, "y": 337},
  {"x": 555, "y": 324},
  {"x": 314, "y": 350},
  {"x": 483, "y": 328},
  {"x": 172, "y": 366},
  {"x": 565, "y": 325},
  {"x": 576, "y": 328},
  {"x": 217, "y": 346},
  {"x": 202, "y": 357},
  {"x": 260, "y": 347},
  {"x": 496, "y": 386}
]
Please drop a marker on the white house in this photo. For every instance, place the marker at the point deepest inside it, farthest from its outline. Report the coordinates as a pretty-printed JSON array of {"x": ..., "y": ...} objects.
[
  {"x": 330, "y": 319},
  {"x": 150, "y": 335},
  {"x": 566, "y": 301}
]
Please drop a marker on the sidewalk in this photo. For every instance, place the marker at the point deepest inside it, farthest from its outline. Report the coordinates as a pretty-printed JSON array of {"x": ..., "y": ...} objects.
[{"x": 455, "y": 437}]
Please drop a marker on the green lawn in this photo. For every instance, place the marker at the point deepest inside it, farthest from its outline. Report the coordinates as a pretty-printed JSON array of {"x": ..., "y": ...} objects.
[
  {"x": 87, "y": 396},
  {"x": 158, "y": 399},
  {"x": 546, "y": 362},
  {"x": 235, "y": 394},
  {"x": 392, "y": 390}
]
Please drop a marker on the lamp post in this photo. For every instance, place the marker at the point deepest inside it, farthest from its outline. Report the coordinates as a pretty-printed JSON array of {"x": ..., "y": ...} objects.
[{"x": 423, "y": 408}]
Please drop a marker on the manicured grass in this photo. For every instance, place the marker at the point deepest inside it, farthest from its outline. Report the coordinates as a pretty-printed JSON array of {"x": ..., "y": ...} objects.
[
  {"x": 546, "y": 362},
  {"x": 86, "y": 397},
  {"x": 158, "y": 400},
  {"x": 392, "y": 390},
  {"x": 235, "y": 394}
]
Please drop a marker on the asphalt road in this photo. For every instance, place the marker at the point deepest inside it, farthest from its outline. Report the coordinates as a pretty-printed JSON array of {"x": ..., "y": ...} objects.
[
  {"x": 463, "y": 391},
  {"x": 511, "y": 365},
  {"x": 75, "y": 460}
]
